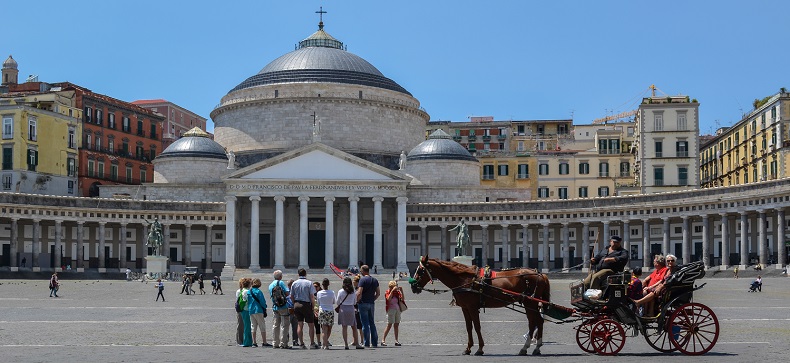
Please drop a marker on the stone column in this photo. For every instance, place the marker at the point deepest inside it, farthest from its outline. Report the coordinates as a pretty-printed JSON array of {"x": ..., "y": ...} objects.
[
  {"x": 279, "y": 233},
  {"x": 780, "y": 238},
  {"x": 762, "y": 236},
  {"x": 744, "y": 240},
  {"x": 303, "y": 232},
  {"x": 446, "y": 248},
  {"x": 36, "y": 244},
  {"x": 665, "y": 241},
  {"x": 626, "y": 235},
  {"x": 506, "y": 246},
  {"x": 525, "y": 246},
  {"x": 402, "y": 267},
  {"x": 686, "y": 241},
  {"x": 586, "y": 246},
  {"x": 725, "y": 241},
  {"x": 80, "y": 245},
  {"x": 377, "y": 250},
  {"x": 566, "y": 251},
  {"x": 329, "y": 250},
  {"x": 705, "y": 241},
  {"x": 255, "y": 235},
  {"x": 605, "y": 233},
  {"x": 647, "y": 258},
  {"x": 166, "y": 241},
  {"x": 230, "y": 238},
  {"x": 58, "y": 244},
  {"x": 187, "y": 245},
  {"x": 353, "y": 234},
  {"x": 423, "y": 239},
  {"x": 102, "y": 243},
  {"x": 484, "y": 256},
  {"x": 545, "y": 246},
  {"x": 14, "y": 250},
  {"x": 208, "y": 238},
  {"x": 122, "y": 250}
]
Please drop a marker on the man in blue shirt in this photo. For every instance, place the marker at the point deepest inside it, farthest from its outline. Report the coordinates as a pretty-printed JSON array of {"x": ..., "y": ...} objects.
[
  {"x": 367, "y": 293},
  {"x": 282, "y": 319},
  {"x": 302, "y": 293}
]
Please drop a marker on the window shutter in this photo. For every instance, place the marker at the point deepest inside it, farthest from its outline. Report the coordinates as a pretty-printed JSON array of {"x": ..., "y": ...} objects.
[{"x": 35, "y": 155}]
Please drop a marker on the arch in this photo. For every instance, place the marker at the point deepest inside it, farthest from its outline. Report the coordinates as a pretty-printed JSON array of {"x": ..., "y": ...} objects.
[{"x": 93, "y": 191}]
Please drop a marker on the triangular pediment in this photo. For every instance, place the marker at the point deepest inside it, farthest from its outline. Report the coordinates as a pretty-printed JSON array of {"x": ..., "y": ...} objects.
[{"x": 317, "y": 162}]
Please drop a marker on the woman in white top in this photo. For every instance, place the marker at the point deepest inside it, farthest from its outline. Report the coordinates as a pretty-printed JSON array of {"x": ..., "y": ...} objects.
[
  {"x": 326, "y": 312},
  {"x": 346, "y": 317}
]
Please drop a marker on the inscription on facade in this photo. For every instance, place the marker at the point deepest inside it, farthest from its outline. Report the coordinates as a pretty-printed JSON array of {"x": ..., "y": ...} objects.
[{"x": 314, "y": 187}]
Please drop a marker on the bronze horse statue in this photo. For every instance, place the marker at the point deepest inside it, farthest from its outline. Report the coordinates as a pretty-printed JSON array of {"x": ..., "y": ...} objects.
[{"x": 472, "y": 292}]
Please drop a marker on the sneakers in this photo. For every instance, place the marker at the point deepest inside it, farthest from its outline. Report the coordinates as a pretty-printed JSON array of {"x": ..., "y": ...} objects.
[
  {"x": 359, "y": 347},
  {"x": 397, "y": 344},
  {"x": 266, "y": 345},
  {"x": 255, "y": 345},
  {"x": 314, "y": 346}
]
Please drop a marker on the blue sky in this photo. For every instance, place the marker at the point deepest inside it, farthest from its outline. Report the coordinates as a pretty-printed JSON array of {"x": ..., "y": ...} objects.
[{"x": 508, "y": 59}]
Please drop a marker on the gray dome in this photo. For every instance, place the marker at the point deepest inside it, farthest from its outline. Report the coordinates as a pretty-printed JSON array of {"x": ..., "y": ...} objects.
[
  {"x": 439, "y": 146},
  {"x": 10, "y": 63},
  {"x": 194, "y": 143},
  {"x": 320, "y": 58}
]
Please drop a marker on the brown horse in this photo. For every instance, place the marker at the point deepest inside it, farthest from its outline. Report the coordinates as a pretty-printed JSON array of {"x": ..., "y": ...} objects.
[{"x": 472, "y": 292}]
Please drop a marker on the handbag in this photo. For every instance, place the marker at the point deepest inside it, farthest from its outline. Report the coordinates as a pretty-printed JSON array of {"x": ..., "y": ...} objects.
[
  {"x": 337, "y": 309},
  {"x": 402, "y": 305}
]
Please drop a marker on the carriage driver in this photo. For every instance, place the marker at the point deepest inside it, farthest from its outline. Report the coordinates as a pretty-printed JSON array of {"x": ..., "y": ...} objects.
[{"x": 610, "y": 260}]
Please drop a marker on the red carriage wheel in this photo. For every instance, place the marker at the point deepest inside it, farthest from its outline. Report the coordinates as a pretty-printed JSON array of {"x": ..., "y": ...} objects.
[
  {"x": 693, "y": 329},
  {"x": 583, "y": 337},
  {"x": 608, "y": 337},
  {"x": 657, "y": 337}
]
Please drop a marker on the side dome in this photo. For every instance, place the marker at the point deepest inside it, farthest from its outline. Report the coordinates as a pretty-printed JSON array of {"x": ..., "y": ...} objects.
[
  {"x": 194, "y": 143},
  {"x": 10, "y": 63},
  {"x": 439, "y": 146}
]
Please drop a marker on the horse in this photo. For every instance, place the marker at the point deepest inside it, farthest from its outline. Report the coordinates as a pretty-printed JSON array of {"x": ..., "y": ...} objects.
[{"x": 472, "y": 292}]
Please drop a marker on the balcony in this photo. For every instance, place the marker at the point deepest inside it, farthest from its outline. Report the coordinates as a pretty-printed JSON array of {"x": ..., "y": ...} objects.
[
  {"x": 501, "y": 137},
  {"x": 486, "y": 137},
  {"x": 522, "y": 176},
  {"x": 121, "y": 153},
  {"x": 683, "y": 181},
  {"x": 603, "y": 174},
  {"x": 659, "y": 182},
  {"x": 625, "y": 174},
  {"x": 471, "y": 137},
  {"x": 488, "y": 176},
  {"x": 457, "y": 138},
  {"x": 683, "y": 154}
]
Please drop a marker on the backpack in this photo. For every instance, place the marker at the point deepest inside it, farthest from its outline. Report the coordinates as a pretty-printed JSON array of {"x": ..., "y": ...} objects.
[
  {"x": 240, "y": 303},
  {"x": 278, "y": 296}
]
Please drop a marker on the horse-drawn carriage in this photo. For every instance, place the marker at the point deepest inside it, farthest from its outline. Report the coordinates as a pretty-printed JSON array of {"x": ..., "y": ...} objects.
[{"x": 679, "y": 323}]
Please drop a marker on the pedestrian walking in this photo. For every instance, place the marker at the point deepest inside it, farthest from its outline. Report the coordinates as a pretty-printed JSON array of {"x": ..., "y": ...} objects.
[
  {"x": 367, "y": 293},
  {"x": 201, "y": 285},
  {"x": 184, "y": 285},
  {"x": 219, "y": 285},
  {"x": 258, "y": 313},
  {"x": 735, "y": 272},
  {"x": 278, "y": 292},
  {"x": 346, "y": 300},
  {"x": 326, "y": 312},
  {"x": 161, "y": 287},
  {"x": 190, "y": 281},
  {"x": 302, "y": 293},
  {"x": 54, "y": 284}
]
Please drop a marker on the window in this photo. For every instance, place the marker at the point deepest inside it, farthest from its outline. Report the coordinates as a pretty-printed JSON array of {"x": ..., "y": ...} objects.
[
  {"x": 98, "y": 142},
  {"x": 520, "y": 146},
  {"x": 625, "y": 169},
  {"x": 153, "y": 130},
  {"x": 523, "y": 171},
  {"x": 142, "y": 176},
  {"x": 32, "y": 159},
  {"x": 603, "y": 169},
  {"x": 658, "y": 176},
  {"x": 129, "y": 176},
  {"x": 659, "y": 149},
  {"x": 111, "y": 145},
  {"x": 634, "y": 231},
  {"x": 655, "y": 231},
  {"x": 6, "y": 181},
  {"x": 153, "y": 152},
  {"x": 125, "y": 125},
  {"x": 114, "y": 172},
  {"x": 502, "y": 170},
  {"x": 584, "y": 168},
  {"x": 658, "y": 120},
  {"x": 70, "y": 189},
  {"x": 543, "y": 192},
  {"x": 562, "y": 192},
  {"x": 603, "y": 191},
  {"x": 72, "y": 139},
  {"x": 125, "y": 147},
  {"x": 682, "y": 149},
  {"x": 71, "y": 166},
  {"x": 99, "y": 117},
  {"x": 8, "y": 157},
  {"x": 88, "y": 143},
  {"x": 564, "y": 168},
  {"x": 140, "y": 130},
  {"x": 543, "y": 169},
  {"x": 88, "y": 114},
  {"x": 682, "y": 122},
  {"x": 488, "y": 172},
  {"x": 8, "y": 127},
  {"x": 139, "y": 152},
  {"x": 683, "y": 175},
  {"x": 90, "y": 168},
  {"x": 31, "y": 122},
  {"x": 111, "y": 120},
  {"x": 583, "y": 192},
  {"x": 100, "y": 171}
]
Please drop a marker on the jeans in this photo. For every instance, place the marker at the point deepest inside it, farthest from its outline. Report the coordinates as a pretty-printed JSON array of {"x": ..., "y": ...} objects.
[{"x": 369, "y": 334}]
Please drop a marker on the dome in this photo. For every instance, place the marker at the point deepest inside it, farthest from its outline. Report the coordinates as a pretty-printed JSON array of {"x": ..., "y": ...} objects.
[
  {"x": 194, "y": 143},
  {"x": 10, "y": 63},
  {"x": 320, "y": 58},
  {"x": 439, "y": 146}
]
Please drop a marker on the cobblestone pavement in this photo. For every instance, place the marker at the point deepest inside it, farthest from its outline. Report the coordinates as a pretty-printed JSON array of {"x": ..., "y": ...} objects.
[{"x": 118, "y": 321}]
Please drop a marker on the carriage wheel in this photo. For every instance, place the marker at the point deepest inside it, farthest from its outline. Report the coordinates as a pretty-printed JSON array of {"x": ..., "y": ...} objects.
[
  {"x": 583, "y": 337},
  {"x": 693, "y": 329},
  {"x": 608, "y": 337},
  {"x": 657, "y": 337}
]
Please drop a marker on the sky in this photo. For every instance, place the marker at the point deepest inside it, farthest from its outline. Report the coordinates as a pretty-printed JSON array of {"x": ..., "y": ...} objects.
[{"x": 513, "y": 60}]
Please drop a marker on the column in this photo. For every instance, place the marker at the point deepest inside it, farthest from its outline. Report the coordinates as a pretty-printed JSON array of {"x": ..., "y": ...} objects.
[
  {"x": 36, "y": 243},
  {"x": 80, "y": 244},
  {"x": 303, "y": 232},
  {"x": 665, "y": 242},
  {"x": 423, "y": 239},
  {"x": 14, "y": 242},
  {"x": 647, "y": 255},
  {"x": 605, "y": 233},
  {"x": 402, "y": 234},
  {"x": 506, "y": 246},
  {"x": 626, "y": 235},
  {"x": 686, "y": 241},
  {"x": 586, "y": 246},
  {"x": 166, "y": 241},
  {"x": 705, "y": 241},
  {"x": 279, "y": 233},
  {"x": 525, "y": 245},
  {"x": 102, "y": 244},
  {"x": 207, "y": 240},
  {"x": 58, "y": 244},
  {"x": 781, "y": 259},
  {"x": 188, "y": 245},
  {"x": 446, "y": 248},
  {"x": 762, "y": 250},
  {"x": 566, "y": 251},
  {"x": 545, "y": 246},
  {"x": 329, "y": 250},
  {"x": 725, "y": 241},
  {"x": 377, "y": 250},
  {"x": 230, "y": 237},
  {"x": 353, "y": 234},
  {"x": 744, "y": 241},
  {"x": 255, "y": 225},
  {"x": 484, "y": 256},
  {"x": 122, "y": 249}
]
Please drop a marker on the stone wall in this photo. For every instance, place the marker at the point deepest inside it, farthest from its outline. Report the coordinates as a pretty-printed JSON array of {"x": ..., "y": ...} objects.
[
  {"x": 189, "y": 170},
  {"x": 448, "y": 173},
  {"x": 465, "y": 194}
]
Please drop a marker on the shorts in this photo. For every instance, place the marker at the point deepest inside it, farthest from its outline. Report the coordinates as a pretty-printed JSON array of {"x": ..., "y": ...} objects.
[
  {"x": 326, "y": 317},
  {"x": 304, "y": 312},
  {"x": 393, "y": 316},
  {"x": 257, "y": 320}
]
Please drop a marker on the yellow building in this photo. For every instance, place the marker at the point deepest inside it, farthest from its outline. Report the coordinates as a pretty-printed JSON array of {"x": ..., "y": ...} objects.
[
  {"x": 40, "y": 135},
  {"x": 753, "y": 149}
]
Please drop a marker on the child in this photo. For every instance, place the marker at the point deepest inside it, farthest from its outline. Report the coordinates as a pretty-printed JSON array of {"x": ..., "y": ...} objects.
[{"x": 635, "y": 286}]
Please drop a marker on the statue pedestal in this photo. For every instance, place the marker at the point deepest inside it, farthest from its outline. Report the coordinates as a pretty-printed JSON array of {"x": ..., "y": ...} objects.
[
  {"x": 156, "y": 265},
  {"x": 466, "y": 260}
]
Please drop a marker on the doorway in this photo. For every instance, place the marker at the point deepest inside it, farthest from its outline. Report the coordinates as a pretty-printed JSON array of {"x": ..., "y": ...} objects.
[
  {"x": 264, "y": 250},
  {"x": 369, "y": 250},
  {"x": 6, "y": 258},
  {"x": 316, "y": 246}
]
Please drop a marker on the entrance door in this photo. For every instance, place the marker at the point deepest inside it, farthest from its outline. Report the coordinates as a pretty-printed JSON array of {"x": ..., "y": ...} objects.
[
  {"x": 51, "y": 256},
  {"x": 264, "y": 250},
  {"x": 697, "y": 252},
  {"x": 6, "y": 259},
  {"x": 173, "y": 254},
  {"x": 369, "y": 250},
  {"x": 679, "y": 252},
  {"x": 478, "y": 256},
  {"x": 655, "y": 249},
  {"x": 316, "y": 245}
]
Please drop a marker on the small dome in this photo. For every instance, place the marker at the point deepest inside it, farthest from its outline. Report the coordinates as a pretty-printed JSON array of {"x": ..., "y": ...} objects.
[
  {"x": 195, "y": 143},
  {"x": 10, "y": 63},
  {"x": 439, "y": 146}
]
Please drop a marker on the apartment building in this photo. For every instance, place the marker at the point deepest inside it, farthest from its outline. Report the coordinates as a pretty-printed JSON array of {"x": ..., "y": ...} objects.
[{"x": 178, "y": 120}]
